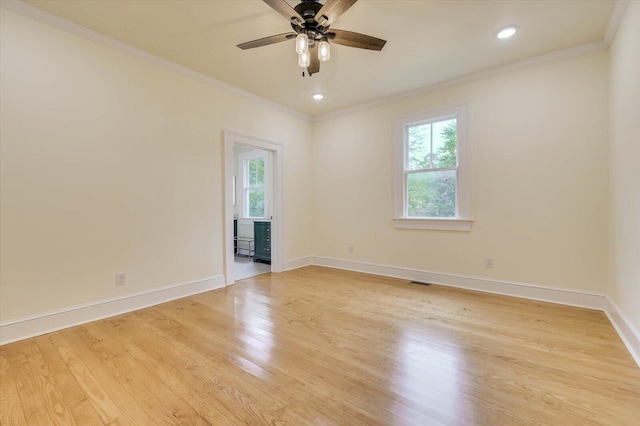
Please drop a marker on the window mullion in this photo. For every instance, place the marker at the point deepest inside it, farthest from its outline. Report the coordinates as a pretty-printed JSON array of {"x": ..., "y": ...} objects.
[{"x": 439, "y": 169}]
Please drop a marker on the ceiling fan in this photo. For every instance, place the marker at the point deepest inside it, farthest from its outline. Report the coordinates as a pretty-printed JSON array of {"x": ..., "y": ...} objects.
[{"x": 310, "y": 21}]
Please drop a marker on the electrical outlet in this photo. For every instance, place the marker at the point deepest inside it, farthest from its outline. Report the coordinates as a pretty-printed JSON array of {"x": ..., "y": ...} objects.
[
  {"x": 350, "y": 249},
  {"x": 121, "y": 278},
  {"x": 488, "y": 262}
]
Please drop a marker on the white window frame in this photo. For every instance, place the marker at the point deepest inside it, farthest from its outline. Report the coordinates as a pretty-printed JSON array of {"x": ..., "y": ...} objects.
[
  {"x": 462, "y": 221},
  {"x": 243, "y": 158}
]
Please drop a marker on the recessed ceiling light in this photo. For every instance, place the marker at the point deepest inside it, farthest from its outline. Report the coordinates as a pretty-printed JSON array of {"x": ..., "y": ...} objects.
[
  {"x": 318, "y": 96},
  {"x": 507, "y": 32}
]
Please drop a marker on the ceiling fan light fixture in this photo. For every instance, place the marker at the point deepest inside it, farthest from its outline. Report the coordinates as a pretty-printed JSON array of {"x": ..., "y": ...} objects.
[
  {"x": 324, "y": 51},
  {"x": 302, "y": 44},
  {"x": 310, "y": 21},
  {"x": 304, "y": 59}
]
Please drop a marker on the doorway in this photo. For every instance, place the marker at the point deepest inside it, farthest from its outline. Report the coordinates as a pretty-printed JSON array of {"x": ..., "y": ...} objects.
[
  {"x": 251, "y": 210},
  {"x": 253, "y": 170}
]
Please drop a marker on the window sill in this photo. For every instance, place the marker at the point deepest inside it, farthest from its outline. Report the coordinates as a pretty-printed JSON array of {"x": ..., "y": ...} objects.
[{"x": 453, "y": 224}]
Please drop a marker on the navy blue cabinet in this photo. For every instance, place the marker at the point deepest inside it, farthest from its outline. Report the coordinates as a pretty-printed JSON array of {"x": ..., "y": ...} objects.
[{"x": 262, "y": 237}]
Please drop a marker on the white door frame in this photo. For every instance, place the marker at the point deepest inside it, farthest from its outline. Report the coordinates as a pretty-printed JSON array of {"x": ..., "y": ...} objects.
[{"x": 230, "y": 139}]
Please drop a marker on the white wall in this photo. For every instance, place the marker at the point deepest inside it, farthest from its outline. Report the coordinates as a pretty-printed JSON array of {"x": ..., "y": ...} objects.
[
  {"x": 539, "y": 180},
  {"x": 112, "y": 164},
  {"x": 624, "y": 248}
]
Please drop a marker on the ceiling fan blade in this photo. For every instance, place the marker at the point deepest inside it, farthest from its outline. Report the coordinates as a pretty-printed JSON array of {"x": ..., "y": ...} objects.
[
  {"x": 314, "y": 65},
  {"x": 267, "y": 40},
  {"x": 332, "y": 9},
  {"x": 283, "y": 8},
  {"x": 351, "y": 39}
]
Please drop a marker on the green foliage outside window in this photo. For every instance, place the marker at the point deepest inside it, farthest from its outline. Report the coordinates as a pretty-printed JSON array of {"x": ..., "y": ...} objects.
[
  {"x": 255, "y": 169},
  {"x": 431, "y": 192}
]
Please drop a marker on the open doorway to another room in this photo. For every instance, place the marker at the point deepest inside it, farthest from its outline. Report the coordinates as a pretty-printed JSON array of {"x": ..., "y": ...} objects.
[
  {"x": 247, "y": 216},
  {"x": 252, "y": 211}
]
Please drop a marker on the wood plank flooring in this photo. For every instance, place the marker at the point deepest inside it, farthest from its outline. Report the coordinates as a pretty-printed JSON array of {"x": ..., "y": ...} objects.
[{"x": 317, "y": 346}]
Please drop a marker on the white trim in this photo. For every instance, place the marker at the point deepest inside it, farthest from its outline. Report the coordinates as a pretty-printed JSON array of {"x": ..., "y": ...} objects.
[
  {"x": 626, "y": 330},
  {"x": 462, "y": 221},
  {"x": 299, "y": 262},
  {"x": 433, "y": 224},
  {"x": 583, "y": 299},
  {"x": 276, "y": 172},
  {"x": 558, "y": 55},
  {"x": 35, "y": 325},
  {"x": 242, "y": 158},
  {"x": 73, "y": 28},
  {"x": 615, "y": 20},
  {"x": 528, "y": 291}
]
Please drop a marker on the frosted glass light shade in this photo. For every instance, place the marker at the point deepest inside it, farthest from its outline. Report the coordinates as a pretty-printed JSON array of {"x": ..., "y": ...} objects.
[
  {"x": 302, "y": 44},
  {"x": 324, "y": 51},
  {"x": 304, "y": 59}
]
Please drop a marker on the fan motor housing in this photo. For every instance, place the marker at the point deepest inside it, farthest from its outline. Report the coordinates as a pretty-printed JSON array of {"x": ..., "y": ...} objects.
[{"x": 308, "y": 9}]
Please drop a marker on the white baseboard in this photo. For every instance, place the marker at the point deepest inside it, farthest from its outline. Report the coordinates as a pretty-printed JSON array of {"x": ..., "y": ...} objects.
[
  {"x": 626, "y": 330},
  {"x": 23, "y": 328},
  {"x": 527, "y": 291},
  {"x": 299, "y": 262}
]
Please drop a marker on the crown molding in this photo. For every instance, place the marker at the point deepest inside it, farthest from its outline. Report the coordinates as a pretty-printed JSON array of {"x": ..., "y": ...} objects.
[
  {"x": 614, "y": 22},
  {"x": 612, "y": 28},
  {"x": 558, "y": 55},
  {"x": 55, "y": 21},
  {"x": 73, "y": 28}
]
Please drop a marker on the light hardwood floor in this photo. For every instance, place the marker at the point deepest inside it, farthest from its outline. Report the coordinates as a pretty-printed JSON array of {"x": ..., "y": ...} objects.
[{"x": 326, "y": 347}]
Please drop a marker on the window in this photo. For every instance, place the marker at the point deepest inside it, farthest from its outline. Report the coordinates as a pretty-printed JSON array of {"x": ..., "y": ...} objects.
[
  {"x": 432, "y": 171},
  {"x": 254, "y": 166}
]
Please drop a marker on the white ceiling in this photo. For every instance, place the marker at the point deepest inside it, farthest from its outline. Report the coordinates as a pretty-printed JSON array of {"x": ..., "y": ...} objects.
[{"x": 427, "y": 41}]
